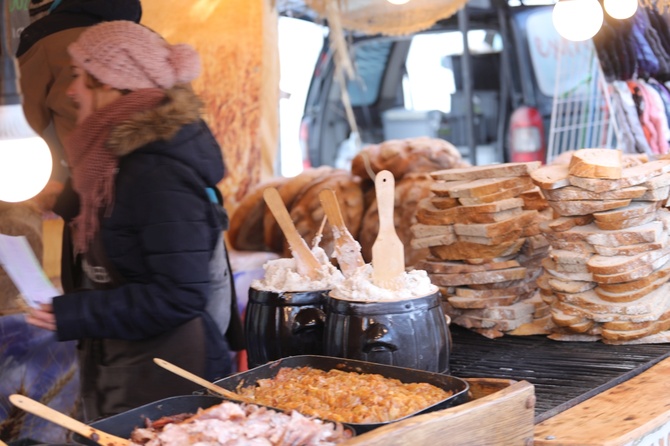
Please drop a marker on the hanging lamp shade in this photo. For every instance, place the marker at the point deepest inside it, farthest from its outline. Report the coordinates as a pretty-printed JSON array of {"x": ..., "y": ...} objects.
[
  {"x": 384, "y": 17},
  {"x": 577, "y": 20},
  {"x": 25, "y": 159},
  {"x": 620, "y": 9}
]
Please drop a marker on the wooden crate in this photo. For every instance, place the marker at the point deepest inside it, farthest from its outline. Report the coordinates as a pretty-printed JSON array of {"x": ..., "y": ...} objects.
[{"x": 500, "y": 412}]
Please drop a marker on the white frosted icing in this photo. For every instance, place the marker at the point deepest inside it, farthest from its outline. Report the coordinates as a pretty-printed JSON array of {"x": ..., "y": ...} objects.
[
  {"x": 281, "y": 275},
  {"x": 360, "y": 287}
]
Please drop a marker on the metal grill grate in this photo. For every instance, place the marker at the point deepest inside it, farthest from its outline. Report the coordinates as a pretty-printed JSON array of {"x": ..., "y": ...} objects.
[{"x": 563, "y": 373}]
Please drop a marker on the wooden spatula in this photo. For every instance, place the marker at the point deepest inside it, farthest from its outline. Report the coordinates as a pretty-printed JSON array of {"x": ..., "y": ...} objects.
[
  {"x": 347, "y": 249},
  {"x": 200, "y": 381},
  {"x": 39, "y": 409},
  {"x": 388, "y": 252},
  {"x": 306, "y": 263}
]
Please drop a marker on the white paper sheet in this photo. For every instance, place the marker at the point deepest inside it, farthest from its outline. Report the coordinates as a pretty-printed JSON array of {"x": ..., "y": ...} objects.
[{"x": 18, "y": 260}]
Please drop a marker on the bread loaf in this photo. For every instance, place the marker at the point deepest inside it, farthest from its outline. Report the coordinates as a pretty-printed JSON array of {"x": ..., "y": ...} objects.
[
  {"x": 551, "y": 176},
  {"x": 446, "y": 267},
  {"x": 466, "y": 250},
  {"x": 635, "y": 209},
  {"x": 419, "y": 243},
  {"x": 630, "y": 177},
  {"x": 498, "y": 228},
  {"x": 659, "y": 194},
  {"x": 662, "y": 273},
  {"x": 629, "y": 250},
  {"x": 640, "y": 271},
  {"x": 538, "y": 326},
  {"x": 501, "y": 194},
  {"x": 568, "y": 208},
  {"x": 636, "y": 291},
  {"x": 533, "y": 199},
  {"x": 570, "y": 286},
  {"x": 420, "y": 230},
  {"x": 565, "y": 223},
  {"x": 488, "y": 171},
  {"x": 596, "y": 163},
  {"x": 508, "y": 236},
  {"x": 577, "y": 193},
  {"x": 662, "y": 337},
  {"x": 444, "y": 202},
  {"x": 405, "y": 156},
  {"x": 626, "y": 223},
  {"x": 481, "y": 187},
  {"x": 478, "y": 277},
  {"x": 475, "y": 302},
  {"x": 428, "y": 214},
  {"x": 590, "y": 305},
  {"x": 598, "y": 264}
]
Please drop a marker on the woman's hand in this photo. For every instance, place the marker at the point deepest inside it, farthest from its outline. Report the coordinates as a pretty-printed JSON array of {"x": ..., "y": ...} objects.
[{"x": 42, "y": 317}]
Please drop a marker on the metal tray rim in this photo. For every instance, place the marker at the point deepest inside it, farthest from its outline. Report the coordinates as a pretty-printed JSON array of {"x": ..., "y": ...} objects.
[{"x": 458, "y": 397}]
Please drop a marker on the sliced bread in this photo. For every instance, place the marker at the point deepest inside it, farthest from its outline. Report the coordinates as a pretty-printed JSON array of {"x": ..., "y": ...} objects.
[
  {"x": 488, "y": 171},
  {"x": 596, "y": 163}
]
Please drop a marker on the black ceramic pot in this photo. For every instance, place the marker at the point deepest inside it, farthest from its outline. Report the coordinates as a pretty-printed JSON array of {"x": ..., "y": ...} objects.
[
  {"x": 281, "y": 324},
  {"x": 409, "y": 333}
]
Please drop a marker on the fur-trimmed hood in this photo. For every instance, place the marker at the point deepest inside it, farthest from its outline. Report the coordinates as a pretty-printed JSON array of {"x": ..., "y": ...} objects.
[
  {"x": 180, "y": 107},
  {"x": 174, "y": 129}
]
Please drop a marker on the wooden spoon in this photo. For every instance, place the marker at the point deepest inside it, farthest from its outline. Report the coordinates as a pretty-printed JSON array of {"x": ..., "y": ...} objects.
[
  {"x": 306, "y": 263},
  {"x": 201, "y": 381},
  {"x": 388, "y": 252},
  {"x": 39, "y": 409},
  {"x": 347, "y": 249}
]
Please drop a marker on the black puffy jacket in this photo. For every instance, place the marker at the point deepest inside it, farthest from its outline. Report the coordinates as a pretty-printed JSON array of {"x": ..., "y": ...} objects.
[{"x": 159, "y": 236}]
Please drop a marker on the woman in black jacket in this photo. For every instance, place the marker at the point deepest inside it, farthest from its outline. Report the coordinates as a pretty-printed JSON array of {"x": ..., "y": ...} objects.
[{"x": 145, "y": 166}]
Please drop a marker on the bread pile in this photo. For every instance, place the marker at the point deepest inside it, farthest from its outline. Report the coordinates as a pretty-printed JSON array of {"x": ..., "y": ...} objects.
[
  {"x": 606, "y": 277},
  {"x": 482, "y": 228}
]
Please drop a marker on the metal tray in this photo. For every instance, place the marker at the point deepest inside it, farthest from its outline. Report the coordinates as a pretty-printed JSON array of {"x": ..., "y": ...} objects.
[{"x": 458, "y": 386}]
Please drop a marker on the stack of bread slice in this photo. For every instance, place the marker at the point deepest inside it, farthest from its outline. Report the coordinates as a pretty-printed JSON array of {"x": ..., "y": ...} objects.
[
  {"x": 606, "y": 276},
  {"x": 481, "y": 225}
]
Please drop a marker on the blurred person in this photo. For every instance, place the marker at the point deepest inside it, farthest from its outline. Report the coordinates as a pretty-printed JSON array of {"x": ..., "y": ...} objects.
[
  {"x": 45, "y": 68},
  {"x": 45, "y": 75},
  {"x": 145, "y": 166}
]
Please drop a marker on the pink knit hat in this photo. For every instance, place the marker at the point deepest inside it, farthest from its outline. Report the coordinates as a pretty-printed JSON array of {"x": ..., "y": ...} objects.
[{"x": 128, "y": 56}]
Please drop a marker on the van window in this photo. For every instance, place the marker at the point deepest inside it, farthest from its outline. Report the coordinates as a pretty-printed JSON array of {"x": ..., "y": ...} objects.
[
  {"x": 434, "y": 63},
  {"x": 370, "y": 62}
]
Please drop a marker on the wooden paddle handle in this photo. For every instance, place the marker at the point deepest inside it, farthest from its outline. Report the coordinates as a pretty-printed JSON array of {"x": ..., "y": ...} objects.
[
  {"x": 307, "y": 263},
  {"x": 388, "y": 252},
  {"x": 385, "y": 193},
  {"x": 332, "y": 208},
  {"x": 39, "y": 409},
  {"x": 200, "y": 381}
]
